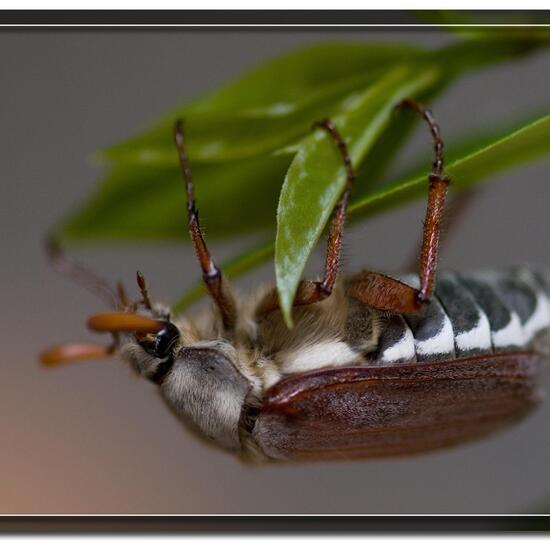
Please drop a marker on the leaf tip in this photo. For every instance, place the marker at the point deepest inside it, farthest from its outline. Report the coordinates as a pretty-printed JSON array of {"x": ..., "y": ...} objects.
[{"x": 287, "y": 317}]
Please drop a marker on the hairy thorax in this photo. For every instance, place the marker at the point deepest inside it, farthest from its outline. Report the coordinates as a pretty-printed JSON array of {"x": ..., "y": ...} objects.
[{"x": 335, "y": 332}]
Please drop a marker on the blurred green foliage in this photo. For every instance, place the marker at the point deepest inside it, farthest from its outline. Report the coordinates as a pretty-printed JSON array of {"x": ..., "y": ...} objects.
[{"x": 258, "y": 167}]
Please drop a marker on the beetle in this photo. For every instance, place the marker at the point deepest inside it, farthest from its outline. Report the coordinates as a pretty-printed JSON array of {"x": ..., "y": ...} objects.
[{"x": 375, "y": 365}]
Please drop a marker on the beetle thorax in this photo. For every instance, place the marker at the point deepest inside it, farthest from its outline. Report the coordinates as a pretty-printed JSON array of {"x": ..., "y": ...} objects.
[
  {"x": 205, "y": 387},
  {"x": 212, "y": 377}
]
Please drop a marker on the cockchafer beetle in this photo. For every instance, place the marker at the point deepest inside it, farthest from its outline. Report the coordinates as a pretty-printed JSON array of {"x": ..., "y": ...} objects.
[{"x": 374, "y": 366}]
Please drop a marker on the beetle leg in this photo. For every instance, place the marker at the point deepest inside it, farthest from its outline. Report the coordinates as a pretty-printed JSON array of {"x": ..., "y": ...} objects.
[
  {"x": 79, "y": 274},
  {"x": 215, "y": 283},
  {"x": 455, "y": 214},
  {"x": 434, "y": 212},
  {"x": 311, "y": 292},
  {"x": 122, "y": 295},
  {"x": 388, "y": 294}
]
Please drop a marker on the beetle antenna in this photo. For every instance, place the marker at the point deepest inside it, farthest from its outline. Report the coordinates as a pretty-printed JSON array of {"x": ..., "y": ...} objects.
[
  {"x": 211, "y": 274},
  {"x": 143, "y": 289},
  {"x": 82, "y": 276}
]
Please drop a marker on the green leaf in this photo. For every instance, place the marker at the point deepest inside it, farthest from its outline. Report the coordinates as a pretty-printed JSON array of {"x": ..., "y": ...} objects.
[
  {"x": 316, "y": 177},
  {"x": 470, "y": 162},
  {"x": 266, "y": 108},
  {"x": 148, "y": 203},
  {"x": 284, "y": 81},
  {"x": 141, "y": 196},
  {"x": 467, "y": 166},
  {"x": 256, "y": 114},
  {"x": 222, "y": 136}
]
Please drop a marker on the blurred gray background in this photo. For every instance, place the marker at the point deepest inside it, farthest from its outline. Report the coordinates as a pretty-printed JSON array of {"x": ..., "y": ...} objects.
[{"x": 92, "y": 438}]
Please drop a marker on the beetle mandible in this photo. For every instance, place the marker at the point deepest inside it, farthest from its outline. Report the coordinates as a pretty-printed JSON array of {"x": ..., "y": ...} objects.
[{"x": 374, "y": 366}]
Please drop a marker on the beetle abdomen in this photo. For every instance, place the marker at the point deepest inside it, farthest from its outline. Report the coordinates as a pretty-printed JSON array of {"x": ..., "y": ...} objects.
[{"x": 470, "y": 314}]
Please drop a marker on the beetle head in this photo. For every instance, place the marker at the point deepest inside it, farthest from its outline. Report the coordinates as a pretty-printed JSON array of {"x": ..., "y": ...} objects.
[
  {"x": 151, "y": 351},
  {"x": 201, "y": 383}
]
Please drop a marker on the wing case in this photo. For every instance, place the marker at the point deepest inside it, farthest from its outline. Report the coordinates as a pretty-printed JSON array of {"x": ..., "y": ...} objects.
[{"x": 393, "y": 410}]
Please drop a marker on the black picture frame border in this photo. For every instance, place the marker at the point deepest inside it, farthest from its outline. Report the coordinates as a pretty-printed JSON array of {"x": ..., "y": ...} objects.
[
  {"x": 274, "y": 525},
  {"x": 120, "y": 19},
  {"x": 55, "y": 20}
]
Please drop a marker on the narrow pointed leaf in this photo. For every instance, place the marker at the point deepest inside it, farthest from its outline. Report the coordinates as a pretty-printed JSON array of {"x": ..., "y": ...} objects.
[
  {"x": 316, "y": 177},
  {"x": 287, "y": 78},
  {"x": 148, "y": 203}
]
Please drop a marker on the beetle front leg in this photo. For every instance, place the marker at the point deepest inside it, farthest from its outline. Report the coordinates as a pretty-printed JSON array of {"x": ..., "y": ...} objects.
[
  {"x": 212, "y": 276},
  {"x": 81, "y": 275}
]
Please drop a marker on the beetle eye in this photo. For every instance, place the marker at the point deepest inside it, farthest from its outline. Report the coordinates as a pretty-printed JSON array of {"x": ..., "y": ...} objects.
[{"x": 160, "y": 344}]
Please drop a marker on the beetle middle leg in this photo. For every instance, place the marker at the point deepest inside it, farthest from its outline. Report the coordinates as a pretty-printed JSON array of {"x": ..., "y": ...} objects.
[
  {"x": 311, "y": 292},
  {"x": 386, "y": 293}
]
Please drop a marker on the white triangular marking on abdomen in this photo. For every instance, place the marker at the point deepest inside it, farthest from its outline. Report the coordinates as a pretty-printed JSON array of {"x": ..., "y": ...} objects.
[
  {"x": 478, "y": 337},
  {"x": 511, "y": 335},
  {"x": 402, "y": 350},
  {"x": 442, "y": 343}
]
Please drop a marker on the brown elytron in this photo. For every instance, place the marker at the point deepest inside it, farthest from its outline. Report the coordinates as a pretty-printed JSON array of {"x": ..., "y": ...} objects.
[{"x": 352, "y": 413}]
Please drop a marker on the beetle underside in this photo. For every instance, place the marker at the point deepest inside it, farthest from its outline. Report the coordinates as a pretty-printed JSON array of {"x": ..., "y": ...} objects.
[{"x": 374, "y": 366}]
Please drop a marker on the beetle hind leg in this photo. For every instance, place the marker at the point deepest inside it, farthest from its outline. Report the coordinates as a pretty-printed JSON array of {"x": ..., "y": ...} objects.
[
  {"x": 437, "y": 195},
  {"x": 386, "y": 293}
]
